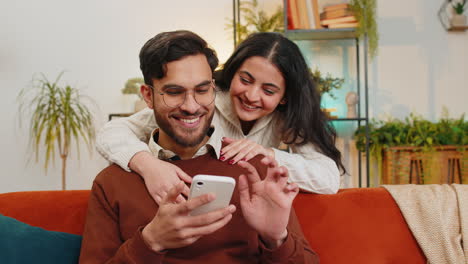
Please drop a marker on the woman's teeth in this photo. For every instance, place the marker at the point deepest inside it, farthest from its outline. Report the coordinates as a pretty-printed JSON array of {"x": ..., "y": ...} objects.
[{"x": 249, "y": 106}]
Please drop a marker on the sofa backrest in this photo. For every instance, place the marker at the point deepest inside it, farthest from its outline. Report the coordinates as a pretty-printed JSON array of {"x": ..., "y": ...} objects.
[{"x": 354, "y": 226}]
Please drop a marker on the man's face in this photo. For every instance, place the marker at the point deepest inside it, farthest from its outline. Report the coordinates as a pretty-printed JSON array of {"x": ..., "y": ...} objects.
[{"x": 185, "y": 125}]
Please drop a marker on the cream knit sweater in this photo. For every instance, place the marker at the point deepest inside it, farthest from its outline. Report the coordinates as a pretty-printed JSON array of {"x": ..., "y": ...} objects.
[{"x": 122, "y": 138}]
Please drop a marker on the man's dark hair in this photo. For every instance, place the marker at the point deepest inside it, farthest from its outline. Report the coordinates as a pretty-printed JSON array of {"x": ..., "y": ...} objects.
[{"x": 171, "y": 46}]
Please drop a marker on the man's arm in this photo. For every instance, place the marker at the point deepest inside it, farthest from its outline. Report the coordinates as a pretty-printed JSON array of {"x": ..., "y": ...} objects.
[
  {"x": 172, "y": 227},
  {"x": 101, "y": 238}
]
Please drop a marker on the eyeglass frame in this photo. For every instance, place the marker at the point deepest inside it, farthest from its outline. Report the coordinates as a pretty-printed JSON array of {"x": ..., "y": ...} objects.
[{"x": 213, "y": 86}]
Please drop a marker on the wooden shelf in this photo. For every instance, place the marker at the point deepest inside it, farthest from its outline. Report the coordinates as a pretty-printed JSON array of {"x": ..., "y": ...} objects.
[
  {"x": 321, "y": 34},
  {"x": 458, "y": 29}
]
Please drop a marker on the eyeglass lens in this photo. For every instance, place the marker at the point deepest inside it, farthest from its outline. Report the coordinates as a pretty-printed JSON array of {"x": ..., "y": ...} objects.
[{"x": 203, "y": 95}]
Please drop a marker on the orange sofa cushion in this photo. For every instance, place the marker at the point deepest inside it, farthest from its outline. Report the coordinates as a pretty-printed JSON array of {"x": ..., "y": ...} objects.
[
  {"x": 357, "y": 226},
  {"x": 63, "y": 211},
  {"x": 363, "y": 226}
]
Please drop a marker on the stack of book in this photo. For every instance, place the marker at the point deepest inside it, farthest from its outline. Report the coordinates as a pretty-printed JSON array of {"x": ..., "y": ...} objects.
[
  {"x": 338, "y": 16},
  {"x": 303, "y": 14}
]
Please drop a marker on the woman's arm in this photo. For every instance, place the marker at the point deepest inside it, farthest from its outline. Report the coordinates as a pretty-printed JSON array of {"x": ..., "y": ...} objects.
[
  {"x": 124, "y": 141},
  {"x": 310, "y": 169},
  {"x": 120, "y": 139}
]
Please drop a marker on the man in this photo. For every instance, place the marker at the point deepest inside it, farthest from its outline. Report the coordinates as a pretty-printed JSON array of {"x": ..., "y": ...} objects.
[{"x": 125, "y": 225}]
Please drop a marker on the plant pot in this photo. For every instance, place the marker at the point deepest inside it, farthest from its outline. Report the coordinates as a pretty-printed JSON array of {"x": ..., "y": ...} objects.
[
  {"x": 407, "y": 165},
  {"x": 140, "y": 105},
  {"x": 458, "y": 21}
]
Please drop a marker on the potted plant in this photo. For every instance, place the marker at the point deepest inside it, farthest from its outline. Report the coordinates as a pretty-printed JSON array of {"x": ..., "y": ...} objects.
[
  {"x": 132, "y": 86},
  {"x": 326, "y": 84},
  {"x": 256, "y": 20},
  {"x": 458, "y": 19},
  {"x": 417, "y": 147},
  {"x": 365, "y": 12},
  {"x": 58, "y": 115}
]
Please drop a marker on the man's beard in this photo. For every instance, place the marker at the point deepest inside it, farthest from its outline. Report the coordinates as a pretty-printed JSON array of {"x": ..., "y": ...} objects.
[{"x": 190, "y": 139}]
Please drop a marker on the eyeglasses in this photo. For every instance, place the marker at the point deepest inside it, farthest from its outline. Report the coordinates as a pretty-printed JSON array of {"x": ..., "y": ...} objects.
[{"x": 175, "y": 96}]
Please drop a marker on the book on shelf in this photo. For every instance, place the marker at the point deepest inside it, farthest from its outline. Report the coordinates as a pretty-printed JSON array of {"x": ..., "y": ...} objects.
[
  {"x": 336, "y": 13},
  {"x": 310, "y": 14},
  {"x": 344, "y": 25},
  {"x": 315, "y": 9},
  {"x": 303, "y": 16},
  {"x": 335, "y": 7},
  {"x": 346, "y": 19},
  {"x": 293, "y": 13},
  {"x": 289, "y": 16}
]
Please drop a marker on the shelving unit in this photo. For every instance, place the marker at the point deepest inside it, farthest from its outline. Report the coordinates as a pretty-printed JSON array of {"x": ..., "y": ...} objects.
[
  {"x": 339, "y": 34},
  {"x": 335, "y": 34}
]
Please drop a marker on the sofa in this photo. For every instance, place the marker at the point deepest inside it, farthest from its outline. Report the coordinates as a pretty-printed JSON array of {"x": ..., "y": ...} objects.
[{"x": 353, "y": 226}]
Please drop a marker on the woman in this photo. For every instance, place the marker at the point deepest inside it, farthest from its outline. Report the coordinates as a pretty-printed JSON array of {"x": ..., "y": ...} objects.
[{"x": 267, "y": 97}]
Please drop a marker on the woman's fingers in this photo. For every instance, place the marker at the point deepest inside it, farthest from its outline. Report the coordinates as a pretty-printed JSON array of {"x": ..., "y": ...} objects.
[
  {"x": 230, "y": 150},
  {"x": 242, "y": 149}
]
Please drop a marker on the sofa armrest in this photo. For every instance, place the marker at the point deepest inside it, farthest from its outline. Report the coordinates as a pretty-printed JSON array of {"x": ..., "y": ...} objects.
[{"x": 63, "y": 211}]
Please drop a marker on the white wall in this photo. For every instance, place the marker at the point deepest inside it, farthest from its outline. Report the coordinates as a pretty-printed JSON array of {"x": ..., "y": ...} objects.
[
  {"x": 420, "y": 66},
  {"x": 97, "y": 43}
]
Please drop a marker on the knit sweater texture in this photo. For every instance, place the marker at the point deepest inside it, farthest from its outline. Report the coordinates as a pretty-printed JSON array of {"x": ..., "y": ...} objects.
[{"x": 120, "y": 206}]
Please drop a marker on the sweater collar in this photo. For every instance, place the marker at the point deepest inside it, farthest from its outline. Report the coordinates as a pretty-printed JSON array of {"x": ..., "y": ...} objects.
[{"x": 212, "y": 145}]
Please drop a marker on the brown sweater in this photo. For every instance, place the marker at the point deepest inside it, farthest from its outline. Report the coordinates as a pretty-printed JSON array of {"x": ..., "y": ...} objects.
[{"x": 120, "y": 206}]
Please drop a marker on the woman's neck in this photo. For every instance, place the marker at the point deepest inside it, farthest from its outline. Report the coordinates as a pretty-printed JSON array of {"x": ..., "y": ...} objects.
[{"x": 247, "y": 126}]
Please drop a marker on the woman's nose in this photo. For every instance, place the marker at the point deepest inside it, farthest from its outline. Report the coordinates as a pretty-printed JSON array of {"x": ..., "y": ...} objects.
[{"x": 253, "y": 94}]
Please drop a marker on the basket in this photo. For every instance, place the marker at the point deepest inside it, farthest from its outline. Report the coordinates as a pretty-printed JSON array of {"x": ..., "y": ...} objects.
[{"x": 412, "y": 165}]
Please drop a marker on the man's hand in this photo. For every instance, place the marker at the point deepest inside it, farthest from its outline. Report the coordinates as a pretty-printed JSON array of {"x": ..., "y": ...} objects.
[
  {"x": 266, "y": 204},
  {"x": 173, "y": 227},
  {"x": 242, "y": 149},
  {"x": 159, "y": 176}
]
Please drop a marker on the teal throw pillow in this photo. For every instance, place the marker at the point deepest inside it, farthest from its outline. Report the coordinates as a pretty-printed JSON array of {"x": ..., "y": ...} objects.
[{"x": 21, "y": 243}]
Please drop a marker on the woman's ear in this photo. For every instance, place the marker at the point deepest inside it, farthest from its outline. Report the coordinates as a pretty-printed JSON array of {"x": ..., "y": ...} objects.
[
  {"x": 283, "y": 101},
  {"x": 147, "y": 93}
]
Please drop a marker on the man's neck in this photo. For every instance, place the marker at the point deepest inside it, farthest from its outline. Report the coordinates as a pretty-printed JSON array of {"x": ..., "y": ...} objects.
[{"x": 182, "y": 151}]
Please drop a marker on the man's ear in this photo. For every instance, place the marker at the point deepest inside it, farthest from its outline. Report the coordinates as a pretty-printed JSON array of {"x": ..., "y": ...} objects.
[{"x": 147, "y": 93}]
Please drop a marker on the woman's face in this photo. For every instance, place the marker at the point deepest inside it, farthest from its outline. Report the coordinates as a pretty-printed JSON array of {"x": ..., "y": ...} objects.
[{"x": 256, "y": 89}]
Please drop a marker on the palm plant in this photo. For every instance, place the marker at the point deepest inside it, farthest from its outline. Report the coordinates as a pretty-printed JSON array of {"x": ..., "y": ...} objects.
[{"x": 58, "y": 116}]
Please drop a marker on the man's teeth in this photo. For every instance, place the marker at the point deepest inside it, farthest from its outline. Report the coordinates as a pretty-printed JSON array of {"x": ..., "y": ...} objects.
[
  {"x": 190, "y": 121},
  {"x": 249, "y": 106}
]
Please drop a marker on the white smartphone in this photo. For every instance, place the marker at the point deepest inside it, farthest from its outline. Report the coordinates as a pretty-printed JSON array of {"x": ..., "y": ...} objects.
[{"x": 221, "y": 186}]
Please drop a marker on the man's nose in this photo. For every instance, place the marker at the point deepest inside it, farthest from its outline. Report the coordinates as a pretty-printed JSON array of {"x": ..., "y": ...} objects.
[{"x": 190, "y": 105}]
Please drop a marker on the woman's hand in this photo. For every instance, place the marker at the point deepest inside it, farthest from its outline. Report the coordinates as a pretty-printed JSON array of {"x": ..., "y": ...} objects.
[
  {"x": 160, "y": 176},
  {"x": 242, "y": 149}
]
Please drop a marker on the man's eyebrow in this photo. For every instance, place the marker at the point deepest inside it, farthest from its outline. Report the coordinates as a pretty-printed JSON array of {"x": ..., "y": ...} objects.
[
  {"x": 267, "y": 84},
  {"x": 176, "y": 86}
]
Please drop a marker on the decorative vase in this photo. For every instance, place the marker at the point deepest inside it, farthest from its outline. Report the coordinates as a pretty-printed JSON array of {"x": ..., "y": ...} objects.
[
  {"x": 139, "y": 105},
  {"x": 351, "y": 100},
  {"x": 458, "y": 21}
]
